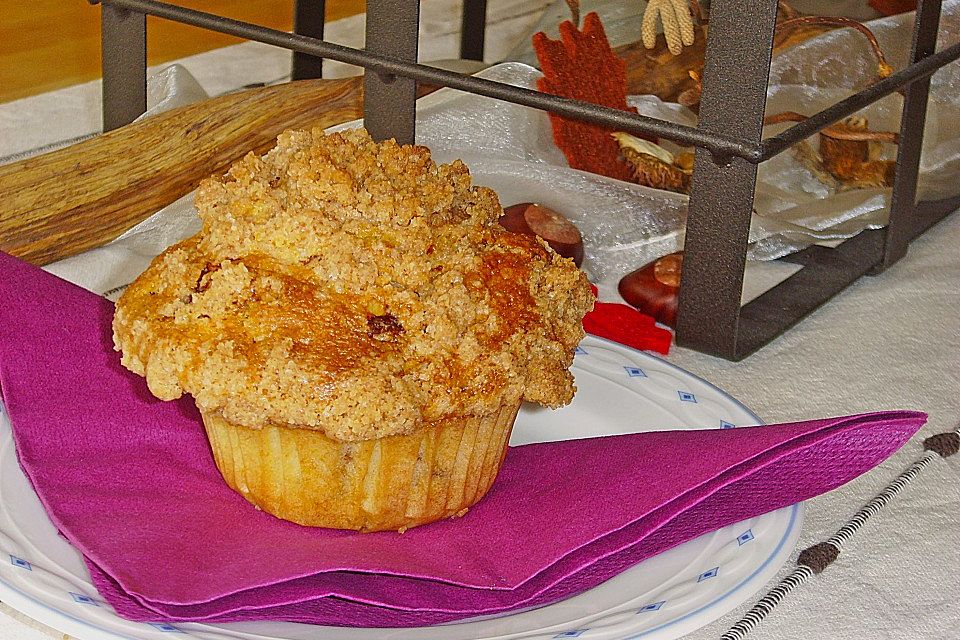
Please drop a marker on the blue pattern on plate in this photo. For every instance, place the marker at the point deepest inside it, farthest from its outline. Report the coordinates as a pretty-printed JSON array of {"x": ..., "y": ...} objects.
[
  {"x": 20, "y": 562},
  {"x": 653, "y": 606},
  {"x": 745, "y": 537},
  {"x": 726, "y": 425},
  {"x": 580, "y": 351},
  {"x": 686, "y": 396},
  {"x": 635, "y": 372},
  {"x": 706, "y": 575},
  {"x": 574, "y": 633},
  {"x": 163, "y": 626},
  {"x": 82, "y": 599}
]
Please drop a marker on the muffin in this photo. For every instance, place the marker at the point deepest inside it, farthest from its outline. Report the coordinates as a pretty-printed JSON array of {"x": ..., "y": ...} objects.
[{"x": 356, "y": 330}]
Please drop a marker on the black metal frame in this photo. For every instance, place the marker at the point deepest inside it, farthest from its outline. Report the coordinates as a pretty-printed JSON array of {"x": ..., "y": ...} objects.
[
  {"x": 308, "y": 20},
  {"x": 728, "y": 140}
]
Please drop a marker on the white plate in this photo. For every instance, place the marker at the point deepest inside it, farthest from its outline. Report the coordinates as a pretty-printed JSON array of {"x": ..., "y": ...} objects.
[{"x": 620, "y": 390}]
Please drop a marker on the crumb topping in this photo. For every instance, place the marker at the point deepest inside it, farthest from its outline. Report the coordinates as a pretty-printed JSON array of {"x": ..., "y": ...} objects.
[{"x": 355, "y": 288}]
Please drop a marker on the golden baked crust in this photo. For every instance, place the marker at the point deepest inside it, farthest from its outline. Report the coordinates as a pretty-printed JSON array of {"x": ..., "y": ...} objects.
[{"x": 355, "y": 288}]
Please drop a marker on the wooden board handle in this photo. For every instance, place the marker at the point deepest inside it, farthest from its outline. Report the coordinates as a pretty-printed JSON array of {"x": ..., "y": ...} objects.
[{"x": 68, "y": 201}]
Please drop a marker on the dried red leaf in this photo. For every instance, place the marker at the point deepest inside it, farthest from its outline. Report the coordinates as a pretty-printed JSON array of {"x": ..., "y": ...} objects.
[{"x": 581, "y": 65}]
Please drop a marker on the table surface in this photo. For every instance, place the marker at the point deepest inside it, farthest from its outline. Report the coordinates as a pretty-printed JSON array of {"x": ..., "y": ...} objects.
[{"x": 888, "y": 341}]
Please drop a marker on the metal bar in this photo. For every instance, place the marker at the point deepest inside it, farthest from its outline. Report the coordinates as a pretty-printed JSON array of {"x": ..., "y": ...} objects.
[
  {"x": 912, "y": 121},
  {"x": 473, "y": 28},
  {"x": 308, "y": 20},
  {"x": 826, "y": 272},
  {"x": 124, "y": 63},
  {"x": 927, "y": 213},
  {"x": 739, "y": 49},
  {"x": 913, "y": 73},
  {"x": 389, "y": 101},
  {"x": 716, "y": 142}
]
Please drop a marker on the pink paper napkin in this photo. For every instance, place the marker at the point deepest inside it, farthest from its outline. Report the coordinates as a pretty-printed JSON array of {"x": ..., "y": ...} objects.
[{"x": 131, "y": 482}]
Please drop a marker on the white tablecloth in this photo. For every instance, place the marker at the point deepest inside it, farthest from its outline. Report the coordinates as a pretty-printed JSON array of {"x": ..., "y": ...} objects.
[{"x": 889, "y": 341}]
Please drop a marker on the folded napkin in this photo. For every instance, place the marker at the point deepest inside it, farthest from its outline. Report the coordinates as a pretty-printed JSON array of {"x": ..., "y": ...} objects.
[{"x": 130, "y": 482}]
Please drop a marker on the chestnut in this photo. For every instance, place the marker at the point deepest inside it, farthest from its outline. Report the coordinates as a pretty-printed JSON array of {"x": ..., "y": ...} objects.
[
  {"x": 537, "y": 220},
  {"x": 654, "y": 287}
]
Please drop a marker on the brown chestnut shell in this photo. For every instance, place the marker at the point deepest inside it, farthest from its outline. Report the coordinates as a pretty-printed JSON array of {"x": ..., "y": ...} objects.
[{"x": 538, "y": 220}]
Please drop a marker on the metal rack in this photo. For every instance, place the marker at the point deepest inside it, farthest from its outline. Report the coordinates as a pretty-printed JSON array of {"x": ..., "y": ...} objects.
[{"x": 728, "y": 139}]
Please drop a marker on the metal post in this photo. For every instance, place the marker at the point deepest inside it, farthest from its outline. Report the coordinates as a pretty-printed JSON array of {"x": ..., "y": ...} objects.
[
  {"x": 739, "y": 49},
  {"x": 473, "y": 27},
  {"x": 389, "y": 101},
  {"x": 124, "y": 64},
  {"x": 308, "y": 20},
  {"x": 901, "y": 228}
]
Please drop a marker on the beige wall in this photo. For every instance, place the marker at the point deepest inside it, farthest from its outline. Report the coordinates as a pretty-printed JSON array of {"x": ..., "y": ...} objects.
[{"x": 46, "y": 44}]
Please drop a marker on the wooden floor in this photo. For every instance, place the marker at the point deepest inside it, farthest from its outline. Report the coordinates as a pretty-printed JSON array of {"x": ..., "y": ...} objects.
[{"x": 47, "y": 44}]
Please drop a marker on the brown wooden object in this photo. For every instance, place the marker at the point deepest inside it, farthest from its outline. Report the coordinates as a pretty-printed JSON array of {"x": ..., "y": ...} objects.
[{"x": 68, "y": 201}]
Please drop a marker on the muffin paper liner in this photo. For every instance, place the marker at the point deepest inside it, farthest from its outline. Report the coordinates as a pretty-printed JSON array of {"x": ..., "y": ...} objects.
[
  {"x": 131, "y": 482},
  {"x": 375, "y": 485}
]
